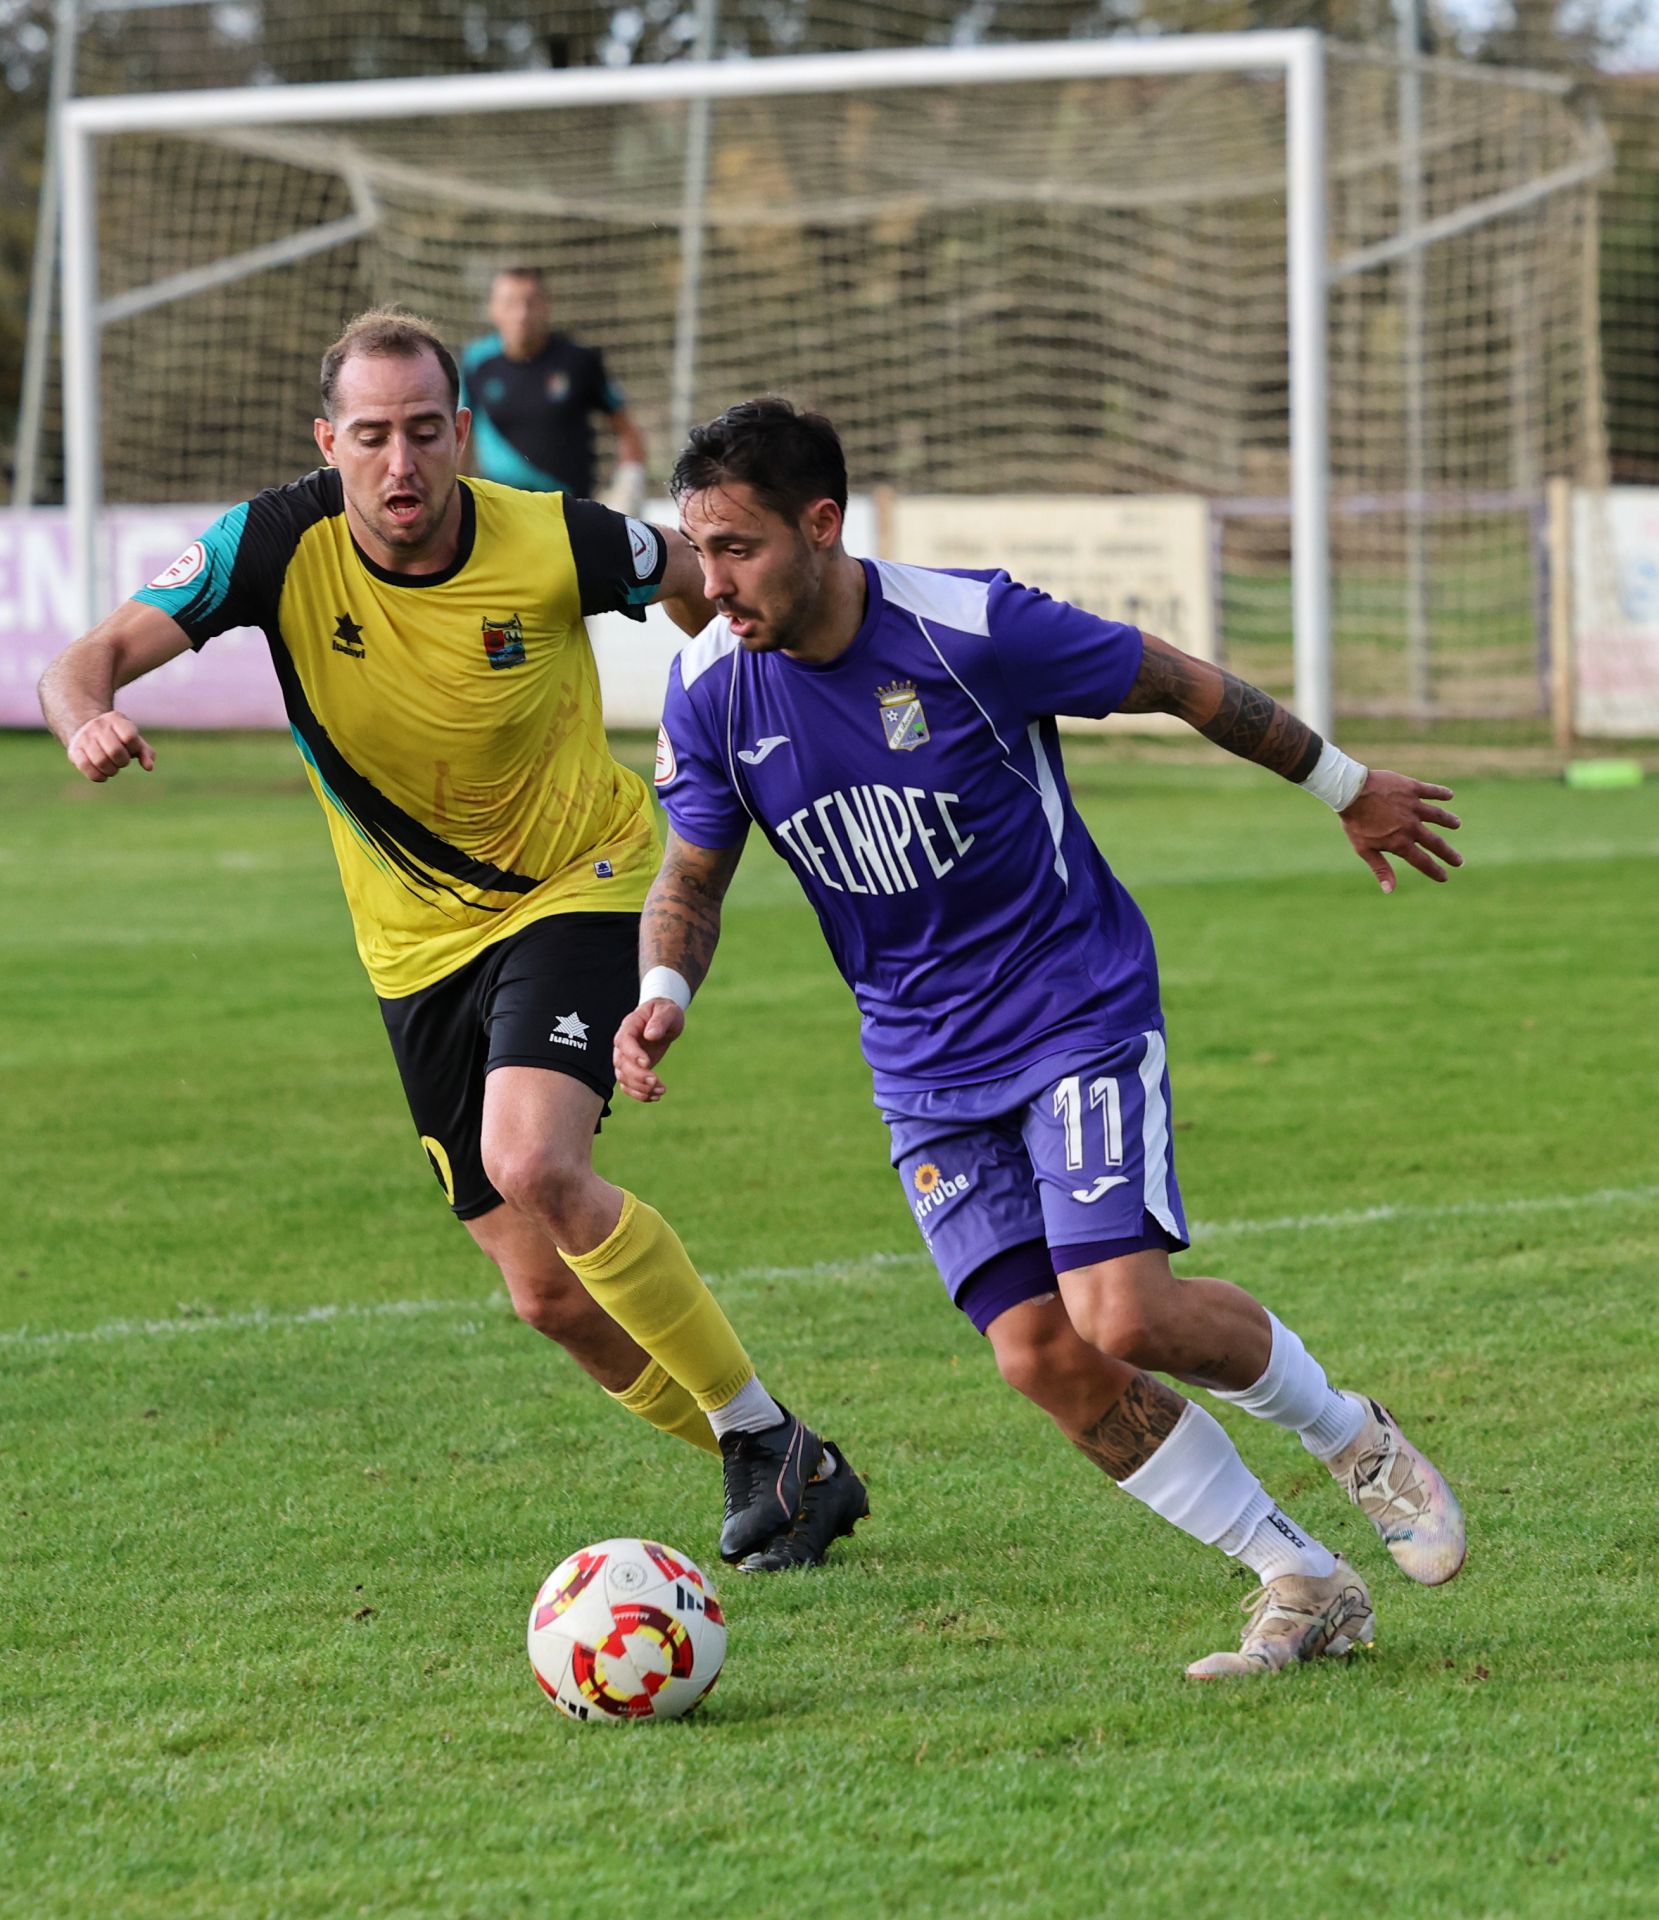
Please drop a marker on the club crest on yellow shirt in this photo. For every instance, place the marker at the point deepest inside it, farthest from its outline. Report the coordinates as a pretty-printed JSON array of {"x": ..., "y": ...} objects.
[
  {"x": 504, "y": 641},
  {"x": 902, "y": 719}
]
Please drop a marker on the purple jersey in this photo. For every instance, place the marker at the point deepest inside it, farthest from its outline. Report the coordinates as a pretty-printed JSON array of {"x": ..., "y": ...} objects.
[{"x": 915, "y": 787}]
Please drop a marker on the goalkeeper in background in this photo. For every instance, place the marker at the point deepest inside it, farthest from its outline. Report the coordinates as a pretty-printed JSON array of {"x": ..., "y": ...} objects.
[
  {"x": 427, "y": 632},
  {"x": 533, "y": 394}
]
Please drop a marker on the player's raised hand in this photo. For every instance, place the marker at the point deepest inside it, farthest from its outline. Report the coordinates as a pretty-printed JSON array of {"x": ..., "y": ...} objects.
[
  {"x": 103, "y": 745},
  {"x": 641, "y": 1041},
  {"x": 1395, "y": 814}
]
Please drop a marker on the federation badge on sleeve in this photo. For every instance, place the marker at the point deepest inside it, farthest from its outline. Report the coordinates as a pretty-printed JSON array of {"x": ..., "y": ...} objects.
[
  {"x": 642, "y": 548},
  {"x": 902, "y": 719},
  {"x": 667, "y": 765},
  {"x": 183, "y": 570}
]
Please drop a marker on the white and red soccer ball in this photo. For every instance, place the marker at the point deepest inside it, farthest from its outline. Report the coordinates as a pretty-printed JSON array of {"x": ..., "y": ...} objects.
[{"x": 626, "y": 1630}]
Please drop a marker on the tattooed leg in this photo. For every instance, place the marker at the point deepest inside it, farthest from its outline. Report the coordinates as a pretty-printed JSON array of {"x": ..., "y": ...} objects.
[
  {"x": 1208, "y": 1333},
  {"x": 1133, "y": 1428},
  {"x": 1175, "y": 1458},
  {"x": 1162, "y": 1449}
]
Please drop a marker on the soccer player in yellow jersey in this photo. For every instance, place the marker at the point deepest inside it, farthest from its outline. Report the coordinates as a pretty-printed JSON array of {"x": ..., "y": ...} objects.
[{"x": 427, "y": 632}]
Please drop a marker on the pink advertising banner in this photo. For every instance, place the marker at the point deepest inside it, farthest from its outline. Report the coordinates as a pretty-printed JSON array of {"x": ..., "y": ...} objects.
[{"x": 230, "y": 683}]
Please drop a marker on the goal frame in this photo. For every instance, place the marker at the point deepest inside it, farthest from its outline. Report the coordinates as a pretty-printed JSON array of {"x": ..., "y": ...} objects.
[{"x": 1296, "y": 54}]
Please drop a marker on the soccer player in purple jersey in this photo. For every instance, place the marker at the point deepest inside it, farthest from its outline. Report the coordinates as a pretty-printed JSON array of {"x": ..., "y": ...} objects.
[{"x": 890, "y": 729}]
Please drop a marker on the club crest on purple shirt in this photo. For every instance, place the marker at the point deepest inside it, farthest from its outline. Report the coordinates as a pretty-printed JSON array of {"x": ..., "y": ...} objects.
[{"x": 902, "y": 719}]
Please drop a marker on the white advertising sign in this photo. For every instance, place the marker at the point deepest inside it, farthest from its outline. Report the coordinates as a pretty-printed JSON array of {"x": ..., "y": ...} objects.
[
  {"x": 230, "y": 683},
  {"x": 1616, "y": 612},
  {"x": 1144, "y": 560}
]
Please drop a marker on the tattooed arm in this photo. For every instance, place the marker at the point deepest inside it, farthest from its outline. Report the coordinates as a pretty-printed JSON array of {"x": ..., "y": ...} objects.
[
  {"x": 1391, "y": 812},
  {"x": 1223, "y": 708},
  {"x": 679, "y": 931}
]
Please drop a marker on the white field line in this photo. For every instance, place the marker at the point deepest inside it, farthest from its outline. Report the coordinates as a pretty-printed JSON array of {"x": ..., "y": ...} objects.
[
  {"x": 262, "y": 1320},
  {"x": 1451, "y": 1210},
  {"x": 267, "y": 1320}
]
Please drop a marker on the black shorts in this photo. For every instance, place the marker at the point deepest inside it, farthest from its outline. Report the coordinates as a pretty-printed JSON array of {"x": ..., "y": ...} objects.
[{"x": 551, "y": 996}]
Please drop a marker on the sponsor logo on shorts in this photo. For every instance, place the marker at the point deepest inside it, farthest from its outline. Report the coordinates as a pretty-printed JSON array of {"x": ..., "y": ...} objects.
[
  {"x": 936, "y": 1189},
  {"x": 570, "y": 1030},
  {"x": 1103, "y": 1184}
]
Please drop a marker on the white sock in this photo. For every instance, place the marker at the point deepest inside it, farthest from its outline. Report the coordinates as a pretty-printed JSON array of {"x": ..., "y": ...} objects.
[
  {"x": 1197, "y": 1480},
  {"x": 1270, "y": 1543},
  {"x": 747, "y": 1411},
  {"x": 1293, "y": 1392}
]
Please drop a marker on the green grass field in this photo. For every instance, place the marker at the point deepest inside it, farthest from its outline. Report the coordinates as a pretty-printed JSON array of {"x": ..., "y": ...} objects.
[{"x": 280, "y": 1473}]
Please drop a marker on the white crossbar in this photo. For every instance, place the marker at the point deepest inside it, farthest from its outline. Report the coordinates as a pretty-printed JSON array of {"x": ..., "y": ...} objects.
[{"x": 1297, "y": 55}]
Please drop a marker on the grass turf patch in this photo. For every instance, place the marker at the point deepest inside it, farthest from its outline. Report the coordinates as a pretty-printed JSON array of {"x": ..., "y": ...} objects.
[{"x": 279, "y": 1473}]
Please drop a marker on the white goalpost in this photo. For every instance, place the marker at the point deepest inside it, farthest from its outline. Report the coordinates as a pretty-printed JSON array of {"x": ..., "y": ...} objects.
[
  {"x": 1335, "y": 309},
  {"x": 1297, "y": 55}
]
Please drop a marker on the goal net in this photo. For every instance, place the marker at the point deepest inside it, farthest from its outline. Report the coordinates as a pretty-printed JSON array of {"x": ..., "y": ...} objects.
[{"x": 1071, "y": 287}]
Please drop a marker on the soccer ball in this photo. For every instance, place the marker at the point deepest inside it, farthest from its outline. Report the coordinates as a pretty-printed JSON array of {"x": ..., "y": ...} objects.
[{"x": 626, "y": 1630}]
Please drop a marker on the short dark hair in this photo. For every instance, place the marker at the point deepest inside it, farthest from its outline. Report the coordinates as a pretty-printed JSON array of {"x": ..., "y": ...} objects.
[
  {"x": 521, "y": 273},
  {"x": 390, "y": 331},
  {"x": 787, "y": 457}
]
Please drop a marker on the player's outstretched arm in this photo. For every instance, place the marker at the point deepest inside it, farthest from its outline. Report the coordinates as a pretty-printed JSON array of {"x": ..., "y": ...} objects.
[
  {"x": 678, "y": 933},
  {"x": 77, "y": 691},
  {"x": 1381, "y": 812}
]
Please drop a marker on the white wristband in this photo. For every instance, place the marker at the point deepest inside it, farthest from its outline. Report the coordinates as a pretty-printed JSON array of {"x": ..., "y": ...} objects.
[
  {"x": 1336, "y": 779},
  {"x": 663, "y": 983}
]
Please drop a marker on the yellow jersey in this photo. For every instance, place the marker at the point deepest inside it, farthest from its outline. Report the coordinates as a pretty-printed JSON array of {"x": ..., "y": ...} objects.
[{"x": 450, "y": 723}]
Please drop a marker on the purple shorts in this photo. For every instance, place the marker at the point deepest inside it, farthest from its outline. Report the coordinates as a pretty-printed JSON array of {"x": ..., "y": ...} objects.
[{"x": 1083, "y": 1173}]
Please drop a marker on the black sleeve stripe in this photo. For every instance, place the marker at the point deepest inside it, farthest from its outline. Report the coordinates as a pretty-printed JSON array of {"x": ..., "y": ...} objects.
[
  {"x": 277, "y": 520},
  {"x": 602, "y": 543}
]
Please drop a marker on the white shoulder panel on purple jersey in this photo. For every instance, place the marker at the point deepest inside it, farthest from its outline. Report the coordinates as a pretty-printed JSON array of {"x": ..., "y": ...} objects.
[
  {"x": 963, "y": 605},
  {"x": 711, "y": 646}
]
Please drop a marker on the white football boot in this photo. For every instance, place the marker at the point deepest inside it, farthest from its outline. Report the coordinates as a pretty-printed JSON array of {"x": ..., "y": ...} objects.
[
  {"x": 1297, "y": 1618},
  {"x": 1404, "y": 1496}
]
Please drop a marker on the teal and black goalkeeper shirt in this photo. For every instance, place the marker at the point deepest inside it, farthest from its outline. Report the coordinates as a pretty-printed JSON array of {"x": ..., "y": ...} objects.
[{"x": 532, "y": 420}]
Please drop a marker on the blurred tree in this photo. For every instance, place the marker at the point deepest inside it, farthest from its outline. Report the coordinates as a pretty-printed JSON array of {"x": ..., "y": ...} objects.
[{"x": 1578, "y": 36}]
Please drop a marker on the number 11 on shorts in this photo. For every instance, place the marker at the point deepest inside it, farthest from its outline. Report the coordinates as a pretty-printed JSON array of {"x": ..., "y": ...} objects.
[{"x": 1068, "y": 1108}]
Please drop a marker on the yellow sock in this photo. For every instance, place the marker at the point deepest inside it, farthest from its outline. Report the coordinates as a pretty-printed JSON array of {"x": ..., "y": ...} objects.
[
  {"x": 643, "y": 1279},
  {"x": 656, "y": 1396}
]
